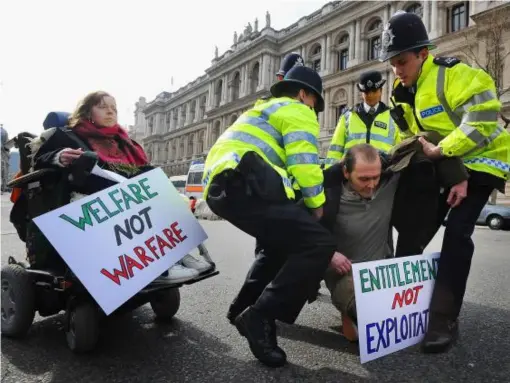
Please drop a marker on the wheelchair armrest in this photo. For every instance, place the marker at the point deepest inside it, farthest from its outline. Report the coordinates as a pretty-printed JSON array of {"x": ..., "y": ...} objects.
[{"x": 38, "y": 175}]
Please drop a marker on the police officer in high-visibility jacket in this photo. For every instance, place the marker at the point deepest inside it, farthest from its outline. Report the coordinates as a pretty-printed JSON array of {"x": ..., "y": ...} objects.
[
  {"x": 368, "y": 122},
  {"x": 247, "y": 180},
  {"x": 460, "y": 103}
]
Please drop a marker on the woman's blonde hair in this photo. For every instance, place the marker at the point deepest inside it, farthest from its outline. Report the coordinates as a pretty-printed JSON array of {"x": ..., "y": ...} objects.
[{"x": 84, "y": 109}]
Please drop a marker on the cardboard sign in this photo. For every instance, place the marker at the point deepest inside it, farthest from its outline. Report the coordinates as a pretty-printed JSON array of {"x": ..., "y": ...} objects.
[
  {"x": 119, "y": 240},
  {"x": 392, "y": 302}
]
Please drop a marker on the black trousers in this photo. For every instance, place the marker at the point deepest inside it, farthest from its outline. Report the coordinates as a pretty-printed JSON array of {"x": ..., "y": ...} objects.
[
  {"x": 457, "y": 248},
  {"x": 258, "y": 247},
  {"x": 297, "y": 249}
]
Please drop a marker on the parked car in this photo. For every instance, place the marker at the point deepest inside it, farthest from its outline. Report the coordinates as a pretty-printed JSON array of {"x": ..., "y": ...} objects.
[{"x": 495, "y": 216}]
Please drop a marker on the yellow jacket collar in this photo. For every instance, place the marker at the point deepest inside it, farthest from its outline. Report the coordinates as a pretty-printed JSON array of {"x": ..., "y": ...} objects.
[{"x": 425, "y": 69}]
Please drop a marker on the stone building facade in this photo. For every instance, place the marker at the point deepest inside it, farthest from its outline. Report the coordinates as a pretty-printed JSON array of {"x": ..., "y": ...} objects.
[{"x": 340, "y": 40}]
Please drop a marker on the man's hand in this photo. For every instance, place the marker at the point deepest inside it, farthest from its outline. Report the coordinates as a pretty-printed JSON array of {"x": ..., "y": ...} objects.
[
  {"x": 457, "y": 194},
  {"x": 340, "y": 263},
  {"x": 429, "y": 149},
  {"x": 318, "y": 212}
]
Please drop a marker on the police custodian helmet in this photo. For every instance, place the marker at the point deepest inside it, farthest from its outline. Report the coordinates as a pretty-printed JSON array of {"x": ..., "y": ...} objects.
[
  {"x": 404, "y": 32},
  {"x": 289, "y": 62},
  {"x": 370, "y": 81},
  {"x": 305, "y": 77}
]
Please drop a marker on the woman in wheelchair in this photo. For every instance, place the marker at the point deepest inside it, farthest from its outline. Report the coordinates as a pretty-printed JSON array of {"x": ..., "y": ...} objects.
[{"x": 93, "y": 127}]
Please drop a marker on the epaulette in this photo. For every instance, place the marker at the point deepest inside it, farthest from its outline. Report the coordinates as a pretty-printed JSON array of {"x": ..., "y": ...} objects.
[{"x": 446, "y": 61}]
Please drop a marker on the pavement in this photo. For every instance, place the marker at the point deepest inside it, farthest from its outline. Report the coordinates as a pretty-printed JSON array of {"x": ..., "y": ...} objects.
[{"x": 201, "y": 346}]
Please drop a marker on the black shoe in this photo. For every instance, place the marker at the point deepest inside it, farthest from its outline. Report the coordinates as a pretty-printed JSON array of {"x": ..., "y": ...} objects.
[
  {"x": 233, "y": 312},
  {"x": 441, "y": 336},
  {"x": 261, "y": 335}
]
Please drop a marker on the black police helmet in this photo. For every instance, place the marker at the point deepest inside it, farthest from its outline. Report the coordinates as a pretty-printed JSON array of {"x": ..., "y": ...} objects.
[
  {"x": 289, "y": 62},
  {"x": 404, "y": 32},
  {"x": 371, "y": 80},
  {"x": 304, "y": 76}
]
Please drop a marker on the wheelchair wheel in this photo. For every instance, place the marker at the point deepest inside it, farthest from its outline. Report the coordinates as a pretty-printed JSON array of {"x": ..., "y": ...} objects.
[
  {"x": 82, "y": 332},
  {"x": 166, "y": 303},
  {"x": 18, "y": 301}
]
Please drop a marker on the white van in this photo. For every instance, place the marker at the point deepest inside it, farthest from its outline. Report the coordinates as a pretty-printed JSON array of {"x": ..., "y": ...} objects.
[
  {"x": 194, "y": 186},
  {"x": 179, "y": 182}
]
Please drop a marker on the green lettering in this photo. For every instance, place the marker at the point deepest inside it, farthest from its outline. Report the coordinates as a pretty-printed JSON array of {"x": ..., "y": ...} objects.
[
  {"x": 407, "y": 272},
  {"x": 423, "y": 269},
  {"x": 116, "y": 201},
  {"x": 137, "y": 192},
  {"x": 374, "y": 281},
  {"x": 364, "y": 288},
  {"x": 146, "y": 188},
  {"x": 94, "y": 211},
  {"x": 400, "y": 281},
  {"x": 393, "y": 266},
  {"x": 433, "y": 268},
  {"x": 127, "y": 197},
  {"x": 415, "y": 266},
  {"x": 380, "y": 273},
  {"x": 103, "y": 206},
  {"x": 82, "y": 221}
]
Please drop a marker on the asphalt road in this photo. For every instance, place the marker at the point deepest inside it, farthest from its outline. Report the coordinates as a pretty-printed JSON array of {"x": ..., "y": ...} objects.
[{"x": 201, "y": 346}]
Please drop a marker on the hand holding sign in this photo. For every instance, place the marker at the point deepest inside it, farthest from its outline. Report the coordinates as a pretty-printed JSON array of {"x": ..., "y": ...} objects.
[{"x": 340, "y": 263}]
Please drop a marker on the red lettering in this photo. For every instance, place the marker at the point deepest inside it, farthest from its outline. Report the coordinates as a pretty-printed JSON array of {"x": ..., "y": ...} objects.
[
  {"x": 151, "y": 247},
  {"x": 130, "y": 262},
  {"x": 162, "y": 244},
  {"x": 416, "y": 291},
  {"x": 399, "y": 299},
  {"x": 177, "y": 232},
  {"x": 409, "y": 296},
  {"x": 170, "y": 236},
  {"x": 116, "y": 273},
  {"x": 142, "y": 256}
]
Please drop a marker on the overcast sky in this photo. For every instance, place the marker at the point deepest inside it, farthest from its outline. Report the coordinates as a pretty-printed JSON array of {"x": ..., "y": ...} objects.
[{"x": 53, "y": 52}]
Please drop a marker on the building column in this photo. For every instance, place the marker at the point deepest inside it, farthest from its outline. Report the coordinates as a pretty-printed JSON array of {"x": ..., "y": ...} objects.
[
  {"x": 224, "y": 91},
  {"x": 352, "y": 42},
  {"x": 426, "y": 15},
  {"x": 434, "y": 21},
  {"x": 357, "y": 54},
  {"x": 472, "y": 11},
  {"x": 324, "y": 55},
  {"x": 386, "y": 14},
  {"x": 265, "y": 71},
  {"x": 210, "y": 99}
]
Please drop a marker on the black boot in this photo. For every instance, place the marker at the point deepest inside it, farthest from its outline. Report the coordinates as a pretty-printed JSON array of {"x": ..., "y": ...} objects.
[
  {"x": 441, "y": 335},
  {"x": 261, "y": 335},
  {"x": 443, "y": 326},
  {"x": 233, "y": 311}
]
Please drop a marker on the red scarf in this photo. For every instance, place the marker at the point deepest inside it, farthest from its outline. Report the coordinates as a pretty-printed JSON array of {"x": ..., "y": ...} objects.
[{"x": 111, "y": 144}]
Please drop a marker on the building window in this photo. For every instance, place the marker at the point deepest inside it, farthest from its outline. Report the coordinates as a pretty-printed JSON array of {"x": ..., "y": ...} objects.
[
  {"x": 343, "y": 57},
  {"x": 415, "y": 8},
  {"x": 458, "y": 17},
  {"x": 338, "y": 111},
  {"x": 373, "y": 48},
  {"x": 315, "y": 56},
  {"x": 373, "y": 37}
]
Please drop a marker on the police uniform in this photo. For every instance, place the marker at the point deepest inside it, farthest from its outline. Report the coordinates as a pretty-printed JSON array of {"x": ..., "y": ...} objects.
[
  {"x": 247, "y": 179},
  {"x": 363, "y": 124},
  {"x": 460, "y": 103}
]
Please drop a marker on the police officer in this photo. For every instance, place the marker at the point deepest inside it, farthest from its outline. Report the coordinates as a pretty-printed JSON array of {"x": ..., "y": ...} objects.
[
  {"x": 289, "y": 61},
  {"x": 368, "y": 122},
  {"x": 460, "y": 103},
  {"x": 247, "y": 183}
]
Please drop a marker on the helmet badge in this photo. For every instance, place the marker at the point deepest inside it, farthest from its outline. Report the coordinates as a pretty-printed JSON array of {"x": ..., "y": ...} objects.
[
  {"x": 299, "y": 62},
  {"x": 387, "y": 37}
]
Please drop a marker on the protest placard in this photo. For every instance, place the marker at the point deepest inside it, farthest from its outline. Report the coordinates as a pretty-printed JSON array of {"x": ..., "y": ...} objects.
[
  {"x": 392, "y": 302},
  {"x": 119, "y": 240}
]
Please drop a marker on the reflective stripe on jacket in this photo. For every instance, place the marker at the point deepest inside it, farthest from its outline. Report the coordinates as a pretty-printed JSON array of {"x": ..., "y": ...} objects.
[{"x": 284, "y": 132}]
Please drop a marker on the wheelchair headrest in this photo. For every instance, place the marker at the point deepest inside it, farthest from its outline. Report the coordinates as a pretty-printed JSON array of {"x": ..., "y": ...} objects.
[{"x": 56, "y": 120}]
